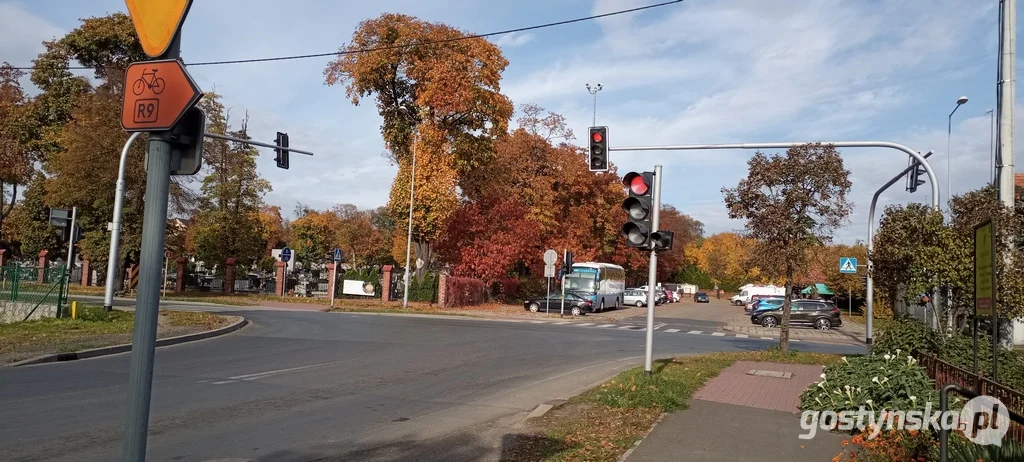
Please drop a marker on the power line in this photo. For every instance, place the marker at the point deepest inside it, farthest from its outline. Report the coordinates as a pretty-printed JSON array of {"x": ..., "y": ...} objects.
[{"x": 414, "y": 44}]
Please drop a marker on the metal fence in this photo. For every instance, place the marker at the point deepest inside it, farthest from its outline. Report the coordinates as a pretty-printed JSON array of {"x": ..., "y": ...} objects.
[
  {"x": 422, "y": 289},
  {"x": 944, "y": 373},
  {"x": 23, "y": 298}
]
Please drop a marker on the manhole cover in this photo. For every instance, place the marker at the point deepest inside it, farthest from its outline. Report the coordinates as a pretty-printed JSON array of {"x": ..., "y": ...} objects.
[{"x": 775, "y": 374}]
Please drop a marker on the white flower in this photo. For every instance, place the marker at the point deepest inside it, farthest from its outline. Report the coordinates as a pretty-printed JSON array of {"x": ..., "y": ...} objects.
[
  {"x": 897, "y": 352},
  {"x": 822, "y": 375},
  {"x": 887, "y": 356},
  {"x": 876, "y": 380},
  {"x": 867, "y": 401},
  {"x": 913, "y": 399},
  {"x": 844, "y": 359}
]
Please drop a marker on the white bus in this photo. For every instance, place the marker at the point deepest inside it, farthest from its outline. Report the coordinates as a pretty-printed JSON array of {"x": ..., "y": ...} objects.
[{"x": 601, "y": 283}]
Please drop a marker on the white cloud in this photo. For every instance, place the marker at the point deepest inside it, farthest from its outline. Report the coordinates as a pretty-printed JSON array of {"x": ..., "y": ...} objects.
[{"x": 515, "y": 39}]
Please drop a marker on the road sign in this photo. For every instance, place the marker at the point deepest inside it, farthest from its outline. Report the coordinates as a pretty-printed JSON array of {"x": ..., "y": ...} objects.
[
  {"x": 550, "y": 257},
  {"x": 847, "y": 265},
  {"x": 286, "y": 254},
  {"x": 338, "y": 255},
  {"x": 168, "y": 254},
  {"x": 984, "y": 284},
  {"x": 156, "y": 95},
  {"x": 549, "y": 271},
  {"x": 156, "y": 22}
]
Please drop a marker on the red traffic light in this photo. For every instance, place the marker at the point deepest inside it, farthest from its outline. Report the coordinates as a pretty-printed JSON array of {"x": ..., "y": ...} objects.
[
  {"x": 636, "y": 183},
  {"x": 597, "y": 137}
]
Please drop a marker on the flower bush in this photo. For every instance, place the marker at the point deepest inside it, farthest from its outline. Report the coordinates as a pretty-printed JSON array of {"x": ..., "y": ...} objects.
[
  {"x": 877, "y": 382},
  {"x": 890, "y": 445}
]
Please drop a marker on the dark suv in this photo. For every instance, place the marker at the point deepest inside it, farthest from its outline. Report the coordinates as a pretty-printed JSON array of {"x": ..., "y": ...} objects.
[{"x": 820, "y": 314}]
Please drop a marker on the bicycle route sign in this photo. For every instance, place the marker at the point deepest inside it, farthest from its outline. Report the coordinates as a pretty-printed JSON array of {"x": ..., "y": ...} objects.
[{"x": 157, "y": 94}]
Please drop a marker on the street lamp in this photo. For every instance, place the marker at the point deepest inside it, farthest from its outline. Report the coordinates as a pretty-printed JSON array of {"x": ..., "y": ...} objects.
[
  {"x": 593, "y": 91},
  {"x": 991, "y": 146},
  {"x": 949, "y": 130},
  {"x": 412, "y": 188}
]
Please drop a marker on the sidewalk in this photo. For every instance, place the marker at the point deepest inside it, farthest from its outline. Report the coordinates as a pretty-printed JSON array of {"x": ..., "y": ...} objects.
[{"x": 741, "y": 417}]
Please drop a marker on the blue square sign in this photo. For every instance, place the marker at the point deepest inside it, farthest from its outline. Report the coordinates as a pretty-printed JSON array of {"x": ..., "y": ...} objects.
[{"x": 848, "y": 265}]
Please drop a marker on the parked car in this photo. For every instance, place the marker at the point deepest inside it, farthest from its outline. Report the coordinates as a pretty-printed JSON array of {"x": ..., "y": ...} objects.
[
  {"x": 701, "y": 297},
  {"x": 670, "y": 296},
  {"x": 820, "y": 314},
  {"x": 574, "y": 304},
  {"x": 635, "y": 297},
  {"x": 749, "y": 307},
  {"x": 767, "y": 303},
  {"x": 677, "y": 294}
]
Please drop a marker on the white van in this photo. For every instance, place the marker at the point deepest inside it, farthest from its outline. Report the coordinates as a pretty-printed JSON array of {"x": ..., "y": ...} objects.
[{"x": 743, "y": 297}]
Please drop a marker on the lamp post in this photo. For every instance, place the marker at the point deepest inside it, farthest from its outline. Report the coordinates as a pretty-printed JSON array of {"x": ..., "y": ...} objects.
[
  {"x": 991, "y": 146},
  {"x": 949, "y": 164},
  {"x": 412, "y": 188},
  {"x": 593, "y": 91}
]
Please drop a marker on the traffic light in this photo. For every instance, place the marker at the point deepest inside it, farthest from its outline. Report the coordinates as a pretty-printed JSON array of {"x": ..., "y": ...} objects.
[
  {"x": 282, "y": 154},
  {"x": 914, "y": 179},
  {"x": 567, "y": 263},
  {"x": 662, "y": 240},
  {"x": 187, "y": 143},
  {"x": 637, "y": 230},
  {"x": 598, "y": 149}
]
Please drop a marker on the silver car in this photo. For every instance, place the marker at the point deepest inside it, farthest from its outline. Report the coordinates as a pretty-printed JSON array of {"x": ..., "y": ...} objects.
[{"x": 634, "y": 297}]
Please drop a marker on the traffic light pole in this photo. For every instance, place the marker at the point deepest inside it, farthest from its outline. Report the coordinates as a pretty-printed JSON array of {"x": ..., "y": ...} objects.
[
  {"x": 652, "y": 275},
  {"x": 870, "y": 285},
  {"x": 113, "y": 257}
]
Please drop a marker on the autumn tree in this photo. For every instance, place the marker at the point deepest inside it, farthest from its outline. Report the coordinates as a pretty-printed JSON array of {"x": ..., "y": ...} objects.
[
  {"x": 15, "y": 162},
  {"x": 451, "y": 94},
  {"x": 32, "y": 221},
  {"x": 686, "y": 231},
  {"x": 227, "y": 222},
  {"x": 314, "y": 236},
  {"x": 726, "y": 258},
  {"x": 792, "y": 202}
]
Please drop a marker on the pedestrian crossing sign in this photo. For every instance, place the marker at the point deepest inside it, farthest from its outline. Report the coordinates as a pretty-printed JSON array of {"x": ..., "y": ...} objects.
[{"x": 848, "y": 265}]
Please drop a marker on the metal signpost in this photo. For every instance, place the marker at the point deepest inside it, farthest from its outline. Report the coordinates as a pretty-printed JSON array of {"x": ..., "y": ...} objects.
[
  {"x": 71, "y": 256},
  {"x": 336, "y": 256},
  {"x": 848, "y": 265},
  {"x": 550, "y": 257},
  {"x": 286, "y": 256},
  {"x": 167, "y": 257}
]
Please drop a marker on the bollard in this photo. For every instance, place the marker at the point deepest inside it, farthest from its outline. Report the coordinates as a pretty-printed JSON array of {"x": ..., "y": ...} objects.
[{"x": 74, "y": 309}]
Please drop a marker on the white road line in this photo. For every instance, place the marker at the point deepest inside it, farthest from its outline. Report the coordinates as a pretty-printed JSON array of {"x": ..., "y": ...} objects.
[
  {"x": 607, "y": 325},
  {"x": 659, "y": 325},
  {"x": 742, "y": 336},
  {"x": 585, "y": 324},
  {"x": 563, "y": 323},
  {"x": 538, "y": 322},
  {"x": 768, "y": 338},
  {"x": 222, "y": 382},
  {"x": 671, "y": 331},
  {"x": 718, "y": 334},
  {"x": 698, "y": 332},
  {"x": 792, "y": 340},
  {"x": 260, "y": 375},
  {"x": 626, "y": 327}
]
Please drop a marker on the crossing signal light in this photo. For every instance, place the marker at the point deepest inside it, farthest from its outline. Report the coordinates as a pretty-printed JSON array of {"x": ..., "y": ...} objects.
[
  {"x": 637, "y": 230},
  {"x": 662, "y": 240},
  {"x": 598, "y": 149},
  {"x": 282, "y": 154},
  {"x": 915, "y": 178}
]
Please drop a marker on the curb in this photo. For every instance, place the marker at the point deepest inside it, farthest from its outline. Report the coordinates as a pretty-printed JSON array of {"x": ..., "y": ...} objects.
[
  {"x": 629, "y": 451},
  {"x": 115, "y": 349}
]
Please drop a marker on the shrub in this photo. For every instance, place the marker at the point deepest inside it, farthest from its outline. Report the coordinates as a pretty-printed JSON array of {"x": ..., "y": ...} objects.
[
  {"x": 908, "y": 335},
  {"x": 963, "y": 450},
  {"x": 507, "y": 290},
  {"x": 876, "y": 382},
  {"x": 911, "y": 445},
  {"x": 465, "y": 292}
]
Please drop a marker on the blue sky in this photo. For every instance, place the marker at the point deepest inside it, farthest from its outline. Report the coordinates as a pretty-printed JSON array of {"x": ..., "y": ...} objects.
[{"x": 699, "y": 72}]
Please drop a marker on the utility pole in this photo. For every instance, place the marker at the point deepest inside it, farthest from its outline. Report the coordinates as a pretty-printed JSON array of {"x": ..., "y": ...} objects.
[
  {"x": 1005, "y": 99},
  {"x": 593, "y": 91}
]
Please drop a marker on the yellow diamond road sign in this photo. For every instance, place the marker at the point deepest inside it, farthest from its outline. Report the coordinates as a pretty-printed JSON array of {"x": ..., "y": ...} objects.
[{"x": 156, "y": 22}]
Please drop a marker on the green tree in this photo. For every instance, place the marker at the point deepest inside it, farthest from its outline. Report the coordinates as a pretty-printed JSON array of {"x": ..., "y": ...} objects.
[
  {"x": 227, "y": 223},
  {"x": 15, "y": 162},
  {"x": 792, "y": 203},
  {"x": 33, "y": 222}
]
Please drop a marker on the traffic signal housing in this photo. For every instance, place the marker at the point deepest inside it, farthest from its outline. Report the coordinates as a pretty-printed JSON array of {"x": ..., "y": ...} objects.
[
  {"x": 914, "y": 179},
  {"x": 662, "y": 240},
  {"x": 640, "y": 186},
  {"x": 282, "y": 154},
  {"x": 598, "y": 149}
]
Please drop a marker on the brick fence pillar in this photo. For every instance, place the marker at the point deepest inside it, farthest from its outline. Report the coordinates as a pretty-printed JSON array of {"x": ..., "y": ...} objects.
[
  {"x": 279, "y": 277},
  {"x": 442, "y": 290},
  {"x": 86, "y": 272},
  {"x": 3, "y": 257},
  {"x": 44, "y": 261},
  {"x": 385, "y": 283},
  {"x": 332, "y": 276},
  {"x": 229, "y": 276},
  {"x": 179, "y": 283}
]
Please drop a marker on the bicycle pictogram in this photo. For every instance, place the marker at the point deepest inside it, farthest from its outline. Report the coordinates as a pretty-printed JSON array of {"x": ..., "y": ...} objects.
[{"x": 154, "y": 83}]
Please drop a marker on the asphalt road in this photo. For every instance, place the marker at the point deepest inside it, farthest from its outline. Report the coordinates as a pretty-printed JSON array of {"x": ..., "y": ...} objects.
[{"x": 334, "y": 386}]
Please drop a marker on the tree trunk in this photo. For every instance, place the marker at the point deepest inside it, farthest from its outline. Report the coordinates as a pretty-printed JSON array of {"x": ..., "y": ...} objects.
[
  {"x": 787, "y": 307},
  {"x": 424, "y": 251}
]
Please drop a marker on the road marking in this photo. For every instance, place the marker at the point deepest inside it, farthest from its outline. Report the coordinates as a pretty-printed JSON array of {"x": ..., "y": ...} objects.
[
  {"x": 626, "y": 327},
  {"x": 563, "y": 323},
  {"x": 742, "y": 336},
  {"x": 718, "y": 334},
  {"x": 659, "y": 325},
  {"x": 222, "y": 382},
  {"x": 260, "y": 375},
  {"x": 768, "y": 338},
  {"x": 671, "y": 331},
  {"x": 538, "y": 322},
  {"x": 791, "y": 340},
  {"x": 585, "y": 324},
  {"x": 607, "y": 325},
  {"x": 698, "y": 332}
]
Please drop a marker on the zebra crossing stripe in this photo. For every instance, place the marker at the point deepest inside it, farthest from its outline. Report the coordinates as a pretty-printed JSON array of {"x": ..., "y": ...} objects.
[
  {"x": 585, "y": 324},
  {"x": 768, "y": 338},
  {"x": 698, "y": 332},
  {"x": 742, "y": 336},
  {"x": 538, "y": 322},
  {"x": 607, "y": 325},
  {"x": 718, "y": 334},
  {"x": 671, "y": 331},
  {"x": 563, "y": 323},
  {"x": 626, "y": 327}
]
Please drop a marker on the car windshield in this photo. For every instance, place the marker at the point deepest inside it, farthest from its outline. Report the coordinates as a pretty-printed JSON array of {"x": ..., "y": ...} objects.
[{"x": 581, "y": 283}]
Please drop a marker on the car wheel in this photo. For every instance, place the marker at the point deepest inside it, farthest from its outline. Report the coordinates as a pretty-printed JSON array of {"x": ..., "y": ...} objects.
[
  {"x": 823, "y": 324},
  {"x": 639, "y": 303},
  {"x": 534, "y": 307},
  {"x": 769, "y": 321},
  {"x": 576, "y": 311}
]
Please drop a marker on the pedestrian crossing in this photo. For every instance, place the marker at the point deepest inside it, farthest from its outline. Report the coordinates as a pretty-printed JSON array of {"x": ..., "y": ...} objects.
[{"x": 660, "y": 327}]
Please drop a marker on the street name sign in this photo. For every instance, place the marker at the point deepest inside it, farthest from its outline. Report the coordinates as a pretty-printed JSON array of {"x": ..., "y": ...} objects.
[
  {"x": 156, "y": 95},
  {"x": 156, "y": 22},
  {"x": 847, "y": 265}
]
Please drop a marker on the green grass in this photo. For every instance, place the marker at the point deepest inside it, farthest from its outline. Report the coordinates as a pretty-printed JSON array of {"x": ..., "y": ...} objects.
[
  {"x": 92, "y": 328},
  {"x": 602, "y": 423}
]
